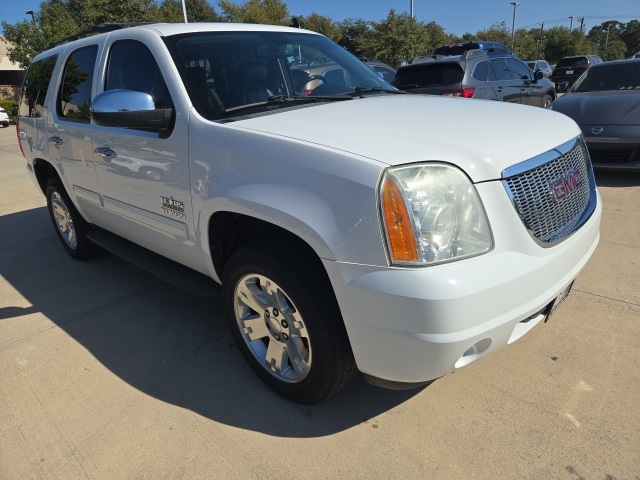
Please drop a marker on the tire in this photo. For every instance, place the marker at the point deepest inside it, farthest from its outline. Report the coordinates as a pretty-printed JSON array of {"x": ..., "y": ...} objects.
[
  {"x": 286, "y": 322},
  {"x": 546, "y": 101},
  {"x": 69, "y": 225}
]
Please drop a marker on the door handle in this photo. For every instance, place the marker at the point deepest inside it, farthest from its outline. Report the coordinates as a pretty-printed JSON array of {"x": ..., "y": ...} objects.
[
  {"x": 56, "y": 140},
  {"x": 499, "y": 89},
  {"x": 105, "y": 152}
]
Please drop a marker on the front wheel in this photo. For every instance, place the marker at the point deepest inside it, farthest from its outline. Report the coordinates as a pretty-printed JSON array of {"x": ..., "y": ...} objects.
[
  {"x": 546, "y": 101},
  {"x": 286, "y": 322}
]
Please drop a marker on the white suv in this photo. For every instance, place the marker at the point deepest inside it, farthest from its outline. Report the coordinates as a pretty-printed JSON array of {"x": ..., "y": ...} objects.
[
  {"x": 351, "y": 227},
  {"x": 4, "y": 118}
]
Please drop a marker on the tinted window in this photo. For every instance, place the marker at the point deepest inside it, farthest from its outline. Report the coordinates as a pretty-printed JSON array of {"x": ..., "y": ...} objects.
[
  {"x": 573, "y": 62},
  {"x": 429, "y": 75},
  {"x": 501, "y": 69},
  {"x": 132, "y": 67},
  {"x": 35, "y": 87},
  {"x": 385, "y": 73},
  {"x": 519, "y": 69},
  {"x": 616, "y": 76},
  {"x": 74, "y": 98},
  {"x": 481, "y": 72}
]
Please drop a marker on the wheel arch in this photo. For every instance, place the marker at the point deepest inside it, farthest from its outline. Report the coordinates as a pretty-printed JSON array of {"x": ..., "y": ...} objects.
[{"x": 44, "y": 171}]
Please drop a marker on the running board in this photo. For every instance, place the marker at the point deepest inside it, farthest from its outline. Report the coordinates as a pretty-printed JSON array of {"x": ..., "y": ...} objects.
[{"x": 183, "y": 278}]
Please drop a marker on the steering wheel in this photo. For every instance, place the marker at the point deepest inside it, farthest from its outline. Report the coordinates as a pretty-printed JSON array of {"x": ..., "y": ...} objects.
[{"x": 310, "y": 78}]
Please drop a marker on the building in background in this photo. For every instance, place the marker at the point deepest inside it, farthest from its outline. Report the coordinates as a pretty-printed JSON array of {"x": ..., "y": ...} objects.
[{"x": 11, "y": 75}]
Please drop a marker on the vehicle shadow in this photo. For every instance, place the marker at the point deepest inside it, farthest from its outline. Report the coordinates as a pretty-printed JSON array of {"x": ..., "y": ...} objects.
[
  {"x": 606, "y": 178},
  {"x": 163, "y": 342}
]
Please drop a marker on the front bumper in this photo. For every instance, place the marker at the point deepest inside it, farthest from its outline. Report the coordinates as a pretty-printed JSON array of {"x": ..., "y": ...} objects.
[{"x": 412, "y": 325}]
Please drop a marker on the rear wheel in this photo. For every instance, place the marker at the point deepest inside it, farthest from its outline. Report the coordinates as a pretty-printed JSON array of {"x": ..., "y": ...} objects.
[
  {"x": 286, "y": 322},
  {"x": 546, "y": 101},
  {"x": 69, "y": 225}
]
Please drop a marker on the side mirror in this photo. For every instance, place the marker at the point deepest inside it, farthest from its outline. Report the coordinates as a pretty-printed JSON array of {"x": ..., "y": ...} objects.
[
  {"x": 562, "y": 87},
  {"x": 130, "y": 109},
  {"x": 538, "y": 75}
]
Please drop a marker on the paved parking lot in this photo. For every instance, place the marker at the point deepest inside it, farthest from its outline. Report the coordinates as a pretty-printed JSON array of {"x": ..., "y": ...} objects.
[{"x": 106, "y": 372}]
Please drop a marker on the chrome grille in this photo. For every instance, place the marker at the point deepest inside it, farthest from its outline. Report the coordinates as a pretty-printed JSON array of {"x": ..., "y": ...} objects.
[{"x": 534, "y": 192}]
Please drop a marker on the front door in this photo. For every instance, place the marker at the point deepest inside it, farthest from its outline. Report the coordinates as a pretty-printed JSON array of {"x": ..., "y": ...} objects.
[{"x": 143, "y": 175}]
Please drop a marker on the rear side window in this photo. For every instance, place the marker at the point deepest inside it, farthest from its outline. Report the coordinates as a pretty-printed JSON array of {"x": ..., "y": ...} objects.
[
  {"x": 501, "y": 69},
  {"x": 74, "y": 98},
  {"x": 132, "y": 67},
  {"x": 429, "y": 75},
  {"x": 481, "y": 72},
  {"x": 35, "y": 87}
]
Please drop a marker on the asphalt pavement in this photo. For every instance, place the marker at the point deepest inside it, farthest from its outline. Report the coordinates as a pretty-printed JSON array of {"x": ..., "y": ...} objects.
[{"x": 108, "y": 373}]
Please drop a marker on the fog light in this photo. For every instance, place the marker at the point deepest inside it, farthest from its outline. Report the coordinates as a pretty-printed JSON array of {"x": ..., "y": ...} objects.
[{"x": 474, "y": 352}]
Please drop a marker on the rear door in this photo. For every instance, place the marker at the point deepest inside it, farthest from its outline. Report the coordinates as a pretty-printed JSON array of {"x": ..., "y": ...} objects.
[
  {"x": 69, "y": 135},
  {"x": 531, "y": 92}
]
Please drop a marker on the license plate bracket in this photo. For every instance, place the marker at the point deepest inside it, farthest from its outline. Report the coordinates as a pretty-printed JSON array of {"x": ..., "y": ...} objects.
[{"x": 558, "y": 301}]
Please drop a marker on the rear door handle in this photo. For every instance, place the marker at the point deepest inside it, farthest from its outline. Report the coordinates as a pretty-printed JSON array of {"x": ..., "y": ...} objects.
[
  {"x": 105, "y": 152},
  {"x": 499, "y": 89},
  {"x": 56, "y": 140}
]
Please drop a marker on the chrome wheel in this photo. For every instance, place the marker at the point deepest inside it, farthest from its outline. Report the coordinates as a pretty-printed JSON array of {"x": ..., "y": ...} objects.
[
  {"x": 272, "y": 328},
  {"x": 63, "y": 220}
]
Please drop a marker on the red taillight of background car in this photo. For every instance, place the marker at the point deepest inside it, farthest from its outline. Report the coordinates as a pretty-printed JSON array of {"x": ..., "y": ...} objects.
[{"x": 460, "y": 92}]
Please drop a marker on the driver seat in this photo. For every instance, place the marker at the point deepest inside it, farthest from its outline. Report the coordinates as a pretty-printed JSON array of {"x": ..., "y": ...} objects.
[{"x": 251, "y": 81}]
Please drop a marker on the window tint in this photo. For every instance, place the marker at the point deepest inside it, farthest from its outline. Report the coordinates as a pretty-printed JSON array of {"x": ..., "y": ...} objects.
[
  {"x": 35, "y": 87},
  {"x": 481, "y": 72},
  {"x": 429, "y": 75},
  {"x": 132, "y": 67},
  {"x": 519, "y": 69},
  {"x": 74, "y": 98},
  {"x": 385, "y": 73},
  {"x": 501, "y": 69},
  {"x": 573, "y": 62}
]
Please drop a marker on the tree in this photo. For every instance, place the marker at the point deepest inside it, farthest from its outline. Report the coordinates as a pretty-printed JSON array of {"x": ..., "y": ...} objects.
[
  {"x": 607, "y": 42},
  {"x": 396, "y": 38},
  {"x": 269, "y": 12},
  {"x": 353, "y": 34},
  {"x": 323, "y": 25},
  {"x": 560, "y": 42},
  {"x": 630, "y": 35},
  {"x": 197, "y": 11}
]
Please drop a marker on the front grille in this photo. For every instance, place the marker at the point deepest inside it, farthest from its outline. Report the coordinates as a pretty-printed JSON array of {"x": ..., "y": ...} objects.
[{"x": 553, "y": 198}]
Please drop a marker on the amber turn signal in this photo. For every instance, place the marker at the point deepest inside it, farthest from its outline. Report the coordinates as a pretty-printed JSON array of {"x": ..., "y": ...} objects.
[{"x": 402, "y": 241}]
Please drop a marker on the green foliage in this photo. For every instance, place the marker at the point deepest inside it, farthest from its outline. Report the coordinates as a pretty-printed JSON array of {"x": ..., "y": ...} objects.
[
  {"x": 197, "y": 11},
  {"x": 269, "y": 12},
  {"x": 323, "y": 25},
  {"x": 11, "y": 107},
  {"x": 393, "y": 39}
]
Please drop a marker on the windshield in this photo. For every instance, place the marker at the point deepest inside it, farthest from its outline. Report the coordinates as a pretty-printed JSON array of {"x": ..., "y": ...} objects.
[
  {"x": 225, "y": 71},
  {"x": 615, "y": 76}
]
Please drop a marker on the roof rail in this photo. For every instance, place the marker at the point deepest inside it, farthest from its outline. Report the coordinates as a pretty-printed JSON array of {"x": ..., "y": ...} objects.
[{"x": 101, "y": 28}]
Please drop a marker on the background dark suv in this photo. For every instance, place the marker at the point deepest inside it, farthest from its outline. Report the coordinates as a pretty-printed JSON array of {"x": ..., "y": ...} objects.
[
  {"x": 570, "y": 68},
  {"x": 475, "y": 74}
]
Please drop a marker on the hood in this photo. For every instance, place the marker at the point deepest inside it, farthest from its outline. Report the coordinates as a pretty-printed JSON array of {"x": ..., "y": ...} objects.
[
  {"x": 601, "y": 108},
  {"x": 482, "y": 137}
]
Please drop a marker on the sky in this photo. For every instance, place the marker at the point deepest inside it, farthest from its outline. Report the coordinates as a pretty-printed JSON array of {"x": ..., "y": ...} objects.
[{"x": 455, "y": 16}]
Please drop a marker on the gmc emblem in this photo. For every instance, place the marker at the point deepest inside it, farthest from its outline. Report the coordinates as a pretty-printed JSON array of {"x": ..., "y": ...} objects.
[{"x": 562, "y": 188}]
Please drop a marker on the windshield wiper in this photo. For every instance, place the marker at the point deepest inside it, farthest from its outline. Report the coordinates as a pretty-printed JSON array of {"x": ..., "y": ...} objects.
[
  {"x": 284, "y": 99},
  {"x": 362, "y": 90}
]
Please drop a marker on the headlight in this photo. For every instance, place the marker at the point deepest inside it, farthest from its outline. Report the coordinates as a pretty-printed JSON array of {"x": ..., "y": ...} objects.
[{"x": 431, "y": 214}]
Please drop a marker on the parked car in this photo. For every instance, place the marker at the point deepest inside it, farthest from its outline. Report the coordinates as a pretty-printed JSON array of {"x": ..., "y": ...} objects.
[
  {"x": 605, "y": 102},
  {"x": 570, "y": 68},
  {"x": 4, "y": 118},
  {"x": 354, "y": 228},
  {"x": 491, "y": 48},
  {"x": 636, "y": 55},
  {"x": 475, "y": 74},
  {"x": 540, "y": 66},
  {"x": 385, "y": 71}
]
